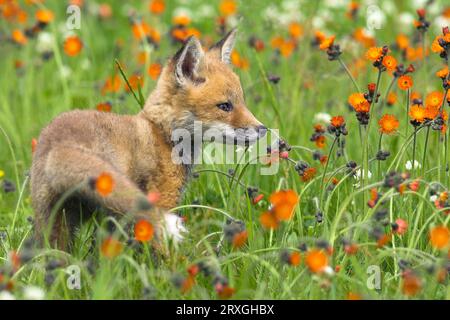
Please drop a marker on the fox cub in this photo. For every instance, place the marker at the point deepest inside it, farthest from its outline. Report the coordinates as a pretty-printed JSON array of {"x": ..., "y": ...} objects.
[{"x": 136, "y": 150}]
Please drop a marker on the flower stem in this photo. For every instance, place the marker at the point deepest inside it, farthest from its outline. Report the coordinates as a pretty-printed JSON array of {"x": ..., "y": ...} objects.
[
  {"x": 326, "y": 168},
  {"x": 379, "y": 161},
  {"x": 349, "y": 74},
  {"x": 425, "y": 151},
  {"x": 413, "y": 169}
]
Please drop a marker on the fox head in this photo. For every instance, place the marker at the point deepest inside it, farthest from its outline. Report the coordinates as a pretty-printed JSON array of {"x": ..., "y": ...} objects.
[{"x": 204, "y": 88}]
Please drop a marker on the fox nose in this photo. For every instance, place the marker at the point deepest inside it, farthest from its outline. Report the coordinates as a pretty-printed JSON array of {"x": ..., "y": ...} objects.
[{"x": 262, "y": 130}]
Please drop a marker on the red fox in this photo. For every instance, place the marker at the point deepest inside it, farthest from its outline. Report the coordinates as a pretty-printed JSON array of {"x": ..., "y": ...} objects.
[{"x": 136, "y": 150}]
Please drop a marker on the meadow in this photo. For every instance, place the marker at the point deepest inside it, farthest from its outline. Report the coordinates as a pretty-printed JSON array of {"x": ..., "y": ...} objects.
[{"x": 359, "y": 208}]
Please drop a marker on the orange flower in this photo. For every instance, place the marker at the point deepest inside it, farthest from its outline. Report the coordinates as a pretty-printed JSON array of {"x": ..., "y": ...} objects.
[
  {"x": 374, "y": 53},
  {"x": 187, "y": 284},
  {"x": 405, "y": 82},
  {"x": 112, "y": 85},
  {"x": 353, "y": 296},
  {"x": 157, "y": 6},
  {"x": 143, "y": 231},
  {"x": 135, "y": 82},
  {"x": 310, "y": 173},
  {"x": 359, "y": 102},
  {"x": 154, "y": 70},
  {"x": 411, "y": 285},
  {"x": 435, "y": 46},
  {"x": 326, "y": 43},
  {"x": 287, "y": 48},
  {"x": 225, "y": 292},
  {"x": 431, "y": 112},
  {"x": 316, "y": 260},
  {"x": 72, "y": 46},
  {"x": 19, "y": 37},
  {"x": 417, "y": 113},
  {"x": 390, "y": 63},
  {"x": 140, "y": 30},
  {"x": 34, "y": 144},
  {"x": 238, "y": 61},
  {"x": 104, "y": 184},
  {"x": 391, "y": 98},
  {"x": 181, "y": 20},
  {"x": 388, "y": 124},
  {"x": 295, "y": 30},
  {"x": 337, "y": 121},
  {"x": 402, "y": 41},
  {"x": 283, "y": 202},
  {"x": 268, "y": 220},
  {"x": 415, "y": 96},
  {"x": 443, "y": 73},
  {"x": 295, "y": 258},
  {"x": 44, "y": 16},
  {"x": 228, "y": 7},
  {"x": 104, "y": 106},
  {"x": 434, "y": 99},
  {"x": 440, "y": 237},
  {"x": 240, "y": 239},
  {"x": 111, "y": 248}
]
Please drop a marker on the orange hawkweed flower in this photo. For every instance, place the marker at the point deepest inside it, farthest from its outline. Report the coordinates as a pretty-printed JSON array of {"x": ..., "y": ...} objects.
[
  {"x": 104, "y": 106},
  {"x": 44, "y": 16},
  {"x": 268, "y": 220},
  {"x": 337, "y": 121},
  {"x": 417, "y": 113},
  {"x": 72, "y": 46},
  {"x": 143, "y": 231},
  {"x": 111, "y": 248},
  {"x": 228, "y": 7},
  {"x": 402, "y": 41},
  {"x": 390, "y": 63},
  {"x": 443, "y": 73},
  {"x": 157, "y": 6},
  {"x": 405, "y": 82},
  {"x": 316, "y": 260},
  {"x": 181, "y": 20},
  {"x": 240, "y": 239},
  {"x": 374, "y": 53},
  {"x": 295, "y": 258},
  {"x": 295, "y": 30},
  {"x": 435, "y": 46},
  {"x": 19, "y": 37},
  {"x": 140, "y": 30},
  {"x": 135, "y": 82},
  {"x": 239, "y": 61},
  {"x": 440, "y": 237},
  {"x": 154, "y": 70},
  {"x": 411, "y": 285},
  {"x": 353, "y": 296},
  {"x": 34, "y": 144},
  {"x": 225, "y": 292},
  {"x": 326, "y": 43},
  {"x": 104, "y": 184},
  {"x": 434, "y": 99},
  {"x": 359, "y": 102},
  {"x": 391, "y": 98},
  {"x": 388, "y": 124},
  {"x": 283, "y": 202},
  {"x": 310, "y": 172},
  {"x": 112, "y": 85}
]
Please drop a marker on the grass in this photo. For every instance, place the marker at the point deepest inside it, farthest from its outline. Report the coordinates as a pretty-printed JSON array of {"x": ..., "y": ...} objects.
[{"x": 30, "y": 96}]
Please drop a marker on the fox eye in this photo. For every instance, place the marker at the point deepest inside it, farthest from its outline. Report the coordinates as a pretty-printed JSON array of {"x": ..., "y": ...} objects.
[{"x": 225, "y": 106}]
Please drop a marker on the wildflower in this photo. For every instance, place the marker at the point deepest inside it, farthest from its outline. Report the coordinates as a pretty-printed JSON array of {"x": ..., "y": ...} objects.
[
  {"x": 2, "y": 174},
  {"x": 143, "y": 231},
  {"x": 235, "y": 233},
  {"x": 238, "y": 61},
  {"x": 405, "y": 82},
  {"x": 104, "y": 106},
  {"x": 72, "y": 45},
  {"x": 359, "y": 102},
  {"x": 417, "y": 114},
  {"x": 316, "y": 260},
  {"x": 390, "y": 63},
  {"x": 434, "y": 99},
  {"x": 256, "y": 43},
  {"x": 353, "y": 296},
  {"x": 111, "y": 248},
  {"x": 104, "y": 184},
  {"x": 400, "y": 226},
  {"x": 374, "y": 53},
  {"x": 402, "y": 41},
  {"x": 388, "y": 124},
  {"x": 318, "y": 136},
  {"x": 295, "y": 30},
  {"x": 322, "y": 117},
  {"x": 225, "y": 291},
  {"x": 283, "y": 202},
  {"x": 19, "y": 37},
  {"x": 268, "y": 220},
  {"x": 422, "y": 24},
  {"x": 337, "y": 126},
  {"x": 441, "y": 44},
  {"x": 44, "y": 16},
  {"x": 134, "y": 81},
  {"x": 305, "y": 171},
  {"x": 157, "y": 6},
  {"x": 326, "y": 43},
  {"x": 112, "y": 85},
  {"x": 440, "y": 237},
  {"x": 228, "y": 7},
  {"x": 350, "y": 248},
  {"x": 33, "y": 293},
  {"x": 411, "y": 284},
  {"x": 289, "y": 258},
  {"x": 8, "y": 186},
  {"x": 443, "y": 73},
  {"x": 374, "y": 196},
  {"x": 154, "y": 70}
]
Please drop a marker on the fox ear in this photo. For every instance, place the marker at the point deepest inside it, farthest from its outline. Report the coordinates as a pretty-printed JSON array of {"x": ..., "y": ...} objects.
[
  {"x": 225, "y": 46},
  {"x": 187, "y": 61}
]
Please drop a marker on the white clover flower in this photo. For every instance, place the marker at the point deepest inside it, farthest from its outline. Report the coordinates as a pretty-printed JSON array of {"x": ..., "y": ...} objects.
[
  {"x": 45, "y": 41},
  {"x": 182, "y": 12},
  {"x": 409, "y": 165},
  {"x": 322, "y": 117},
  {"x": 406, "y": 19},
  {"x": 419, "y": 3},
  {"x": 65, "y": 72},
  {"x": 206, "y": 11},
  {"x": 328, "y": 271},
  {"x": 433, "y": 198},
  {"x": 6, "y": 295},
  {"x": 33, "y": 293},
  {"x": 318, "y": 22},
  {"x": 440, "y": 22}
]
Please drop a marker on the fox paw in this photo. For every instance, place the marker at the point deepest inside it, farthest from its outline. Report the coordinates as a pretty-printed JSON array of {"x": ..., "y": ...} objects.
[{"x": 174, "y": 227}]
